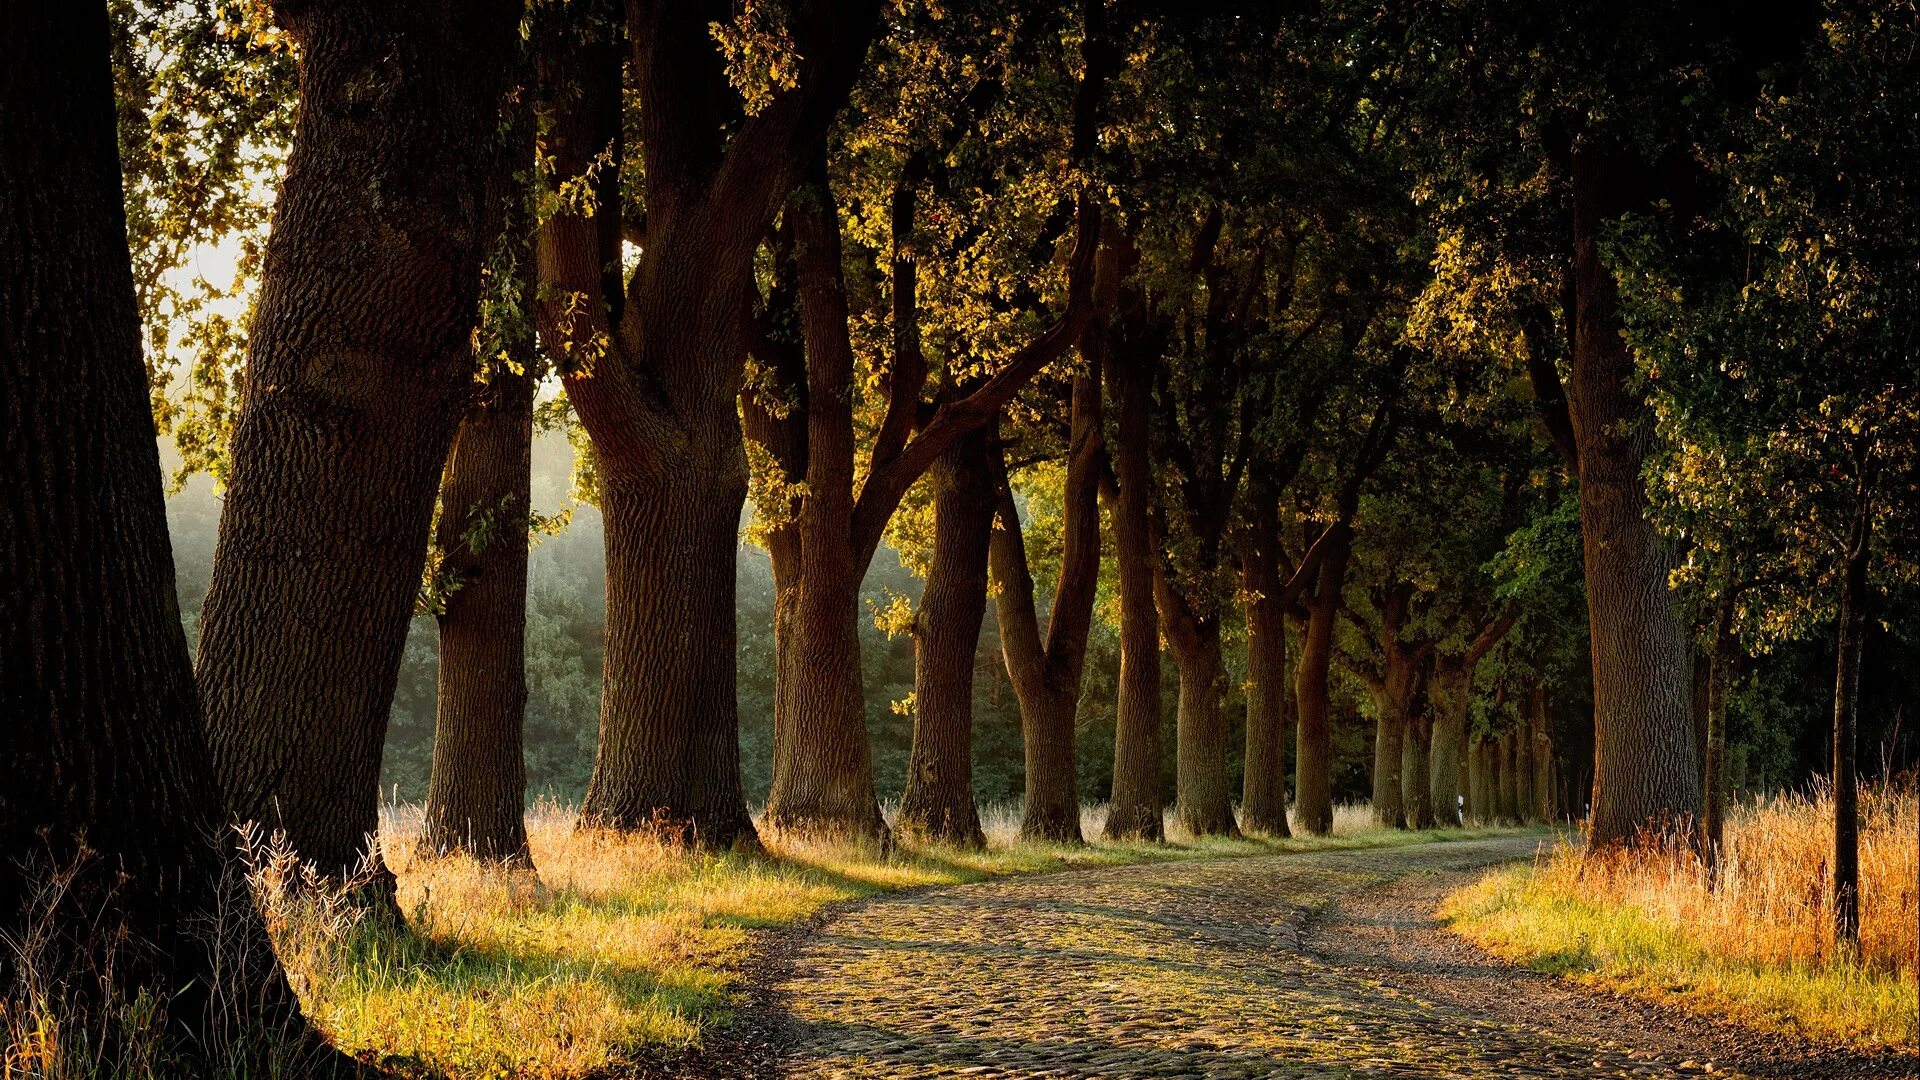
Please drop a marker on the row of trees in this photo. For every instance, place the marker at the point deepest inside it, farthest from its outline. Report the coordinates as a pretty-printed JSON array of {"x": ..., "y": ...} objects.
[{"x": 1346, "y": 332}]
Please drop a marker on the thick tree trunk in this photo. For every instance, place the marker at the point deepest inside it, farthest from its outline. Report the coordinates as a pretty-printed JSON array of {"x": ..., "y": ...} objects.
[
  {"x": 1263, "y": 798},
  {"x": 938, "y": 804},
  {"x": 1389, "y": 753},
  {"x": 1046, "y": 676},
  {"x": 1416, "y": 789},
  {"x": 1136, "y": 808},
  {"x": 358, "y": 371},
  {"x": 668, "y": 756},
  {"x": 1313, "y": 790},
  {"x": 1849, "y": 637},
  {"x": 1646, "y": 772},
  {"x": 1203, "y": 796},
  {"x": 113, "y": 850},
  {"x": 476, "y": 795},
  {"x": 1449, "y": 751},
  {"x": 822, "y": 765},
  {"x": 827, "y": 787},
  {"x": 655, "y": 365}
]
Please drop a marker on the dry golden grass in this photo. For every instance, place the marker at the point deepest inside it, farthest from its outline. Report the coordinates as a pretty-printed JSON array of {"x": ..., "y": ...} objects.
[
  {"x": 1759, "y": 947},
  {"x": 622, "y": 943}
]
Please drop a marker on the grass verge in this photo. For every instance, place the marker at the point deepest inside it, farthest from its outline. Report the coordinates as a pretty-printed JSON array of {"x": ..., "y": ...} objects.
[
  {"x": 1755, "y": 947},
  {"x": 623, "y": 944}
]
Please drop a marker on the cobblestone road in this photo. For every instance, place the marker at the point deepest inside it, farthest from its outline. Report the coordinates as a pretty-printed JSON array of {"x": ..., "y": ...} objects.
[{"x": 1232, "y": 968}]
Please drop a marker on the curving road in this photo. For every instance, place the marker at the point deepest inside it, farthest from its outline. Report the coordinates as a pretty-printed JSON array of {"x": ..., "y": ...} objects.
[{"x": 1309, "y": 965}]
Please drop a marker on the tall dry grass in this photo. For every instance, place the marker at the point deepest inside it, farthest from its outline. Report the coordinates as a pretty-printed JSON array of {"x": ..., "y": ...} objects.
[
  {"x": 1773, "y": 901},
  {"x": 1755, "y": 942}
]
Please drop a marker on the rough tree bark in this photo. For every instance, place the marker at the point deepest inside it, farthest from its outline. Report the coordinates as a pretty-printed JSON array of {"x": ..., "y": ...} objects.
[
  {"x": 1203, "y": 801},
  {"x": 1136, "y": 808},
  {"x": 476, "y": 793},
  {"x": 938, "y": 804},
  {"x": 1416, "y": 778},
  {"x": 1263, "y": 793},
  {"x": 110, "y": 779},
  {"x": 1646, "y": 773},
  {"x": 654, "y": 367},
  {"x": 1313, "y": 787},
  {"x": 358, "y": 366},
  {"x": 1046, "y": 674}
]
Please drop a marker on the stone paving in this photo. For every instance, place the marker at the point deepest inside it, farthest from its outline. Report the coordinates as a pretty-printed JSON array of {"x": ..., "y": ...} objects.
[{"x": 1195, "y": 969}]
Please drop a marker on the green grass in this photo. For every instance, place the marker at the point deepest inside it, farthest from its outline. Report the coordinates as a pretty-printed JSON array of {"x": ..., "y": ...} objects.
[{"x": 624, "y": 944}]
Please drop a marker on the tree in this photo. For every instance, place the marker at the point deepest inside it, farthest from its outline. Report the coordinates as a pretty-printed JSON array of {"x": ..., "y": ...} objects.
[
  {"x": 728, "y": 109},
  {"x": 938, "y": 802},
  {"x": 1394, "y": 685},
  {"x": 476, "y": 794},
  {"x": 113, "y": 866},
  {"x": 357, "y": 373},
  {"x": 1313, "y": 792},
  {"x": 1046, "y": 672},
  {"x": 985, "y": 345},
  {"x": 1822, "y": 304},
  {"x": 1528, "y": 117},
  {"x": 1137, "y": 807}
]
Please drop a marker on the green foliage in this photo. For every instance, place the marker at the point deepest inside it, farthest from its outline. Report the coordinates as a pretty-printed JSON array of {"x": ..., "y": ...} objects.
[{"x": 206, "y": 101}]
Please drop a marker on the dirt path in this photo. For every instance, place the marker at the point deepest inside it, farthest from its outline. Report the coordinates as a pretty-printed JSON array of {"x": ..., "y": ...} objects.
[{"x": 1325, "y": 965}]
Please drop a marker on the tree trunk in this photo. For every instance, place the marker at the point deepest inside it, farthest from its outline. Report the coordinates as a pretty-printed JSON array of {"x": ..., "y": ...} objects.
[
  {"x": 1523, "y": 768},
  {"x": 938, "y": 802},
  {"x": 1700, "y": 701},
  {"x": 476, "y": 796},
  {"x": 1543, "y": 780},
  {"x": 1263, "y": 798},
  {"x": 668, "y": 756},
  {"x": 1449, "y": 749},
  {"x": 1477, "y": 809},
  {"x": 1646, "y": 773},
  {"x": 1849, "y": 637},
  {"x": 655, "y": 366},
  {"x": 822, "y": 765},
  {"x": 358, "y": 368},
  {"x": 1313, "y": 782},
  {"x": 113, "y": 858},
  {"x": 1416, "y": 789},
  {"x": 1136, "y": 809},
  {"x": 1507, "y": 768},
  {"x": 1046, "y": 676},
  {"x": 1389, "y": 752},
  {"x": 1203, "y": 797},
  {"x": 1723, "y": 661}
]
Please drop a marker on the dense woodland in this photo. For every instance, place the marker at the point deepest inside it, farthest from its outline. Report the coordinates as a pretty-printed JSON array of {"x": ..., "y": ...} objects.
[{"x": 729, "y": 417}]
